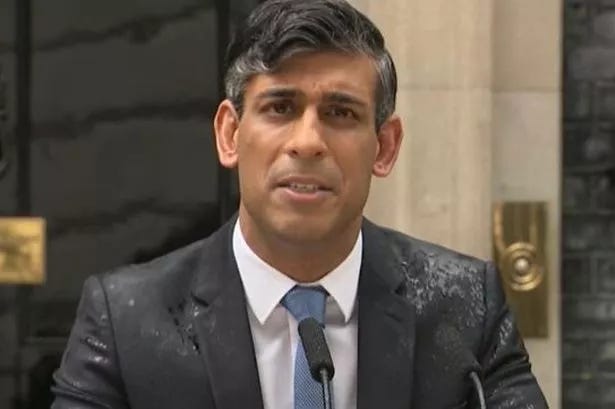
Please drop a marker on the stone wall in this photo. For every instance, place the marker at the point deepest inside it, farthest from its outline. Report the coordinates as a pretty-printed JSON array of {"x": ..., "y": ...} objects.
[
  {"x": 440, "y": 189},
  {"x": 480, "y": 100},
  {"x": 526, "y": 147}
]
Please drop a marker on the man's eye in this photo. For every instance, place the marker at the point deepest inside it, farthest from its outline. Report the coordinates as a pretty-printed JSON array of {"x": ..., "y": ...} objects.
[
  {"x": 341, "y": 112},
  {"x": 280, "y": 108}
]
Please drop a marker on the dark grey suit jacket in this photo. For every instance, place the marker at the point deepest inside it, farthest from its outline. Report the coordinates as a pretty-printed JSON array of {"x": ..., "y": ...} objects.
[{"x": 174, "y": 333}]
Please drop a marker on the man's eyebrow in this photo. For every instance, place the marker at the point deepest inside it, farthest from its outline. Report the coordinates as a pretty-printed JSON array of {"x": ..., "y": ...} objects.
[
  {"x": 335, "y": 96},
  {"x": 344, "y": 98},
  {"x": 280, "y": 92}
]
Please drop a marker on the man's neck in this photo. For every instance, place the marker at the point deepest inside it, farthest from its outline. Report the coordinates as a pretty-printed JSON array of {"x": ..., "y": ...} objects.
[{"x": 301, "y": 261}]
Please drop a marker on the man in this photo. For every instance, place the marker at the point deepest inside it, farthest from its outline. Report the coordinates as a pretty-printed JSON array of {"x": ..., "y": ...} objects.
[{"x": 307, "y": 121}]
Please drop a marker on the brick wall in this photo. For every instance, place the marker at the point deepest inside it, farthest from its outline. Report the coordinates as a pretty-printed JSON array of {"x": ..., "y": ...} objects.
[{"x": 588, "y": 281}]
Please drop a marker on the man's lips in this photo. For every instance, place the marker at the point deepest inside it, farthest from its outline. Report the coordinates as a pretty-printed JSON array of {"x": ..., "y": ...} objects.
[{"x": 304, "y": 184}]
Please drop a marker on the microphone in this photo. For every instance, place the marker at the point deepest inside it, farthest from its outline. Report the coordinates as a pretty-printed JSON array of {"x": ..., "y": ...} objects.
[
  {"x": 449, "y": 338},
  {"x": 318, "y": 356}
]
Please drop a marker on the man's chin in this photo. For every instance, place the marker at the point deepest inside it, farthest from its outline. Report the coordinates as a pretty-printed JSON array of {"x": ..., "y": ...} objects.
[{"x": 303, "y": 230}]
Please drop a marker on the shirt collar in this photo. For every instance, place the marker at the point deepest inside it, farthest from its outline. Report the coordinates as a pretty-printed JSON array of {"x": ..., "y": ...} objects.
[
  {"x": 342, "y": 282},
  {"x": 265, "y": 286}
]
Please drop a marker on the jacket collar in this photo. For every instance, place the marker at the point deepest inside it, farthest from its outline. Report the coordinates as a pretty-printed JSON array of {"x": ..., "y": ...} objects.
[
  {"x": 386, "y": 324},
  {"x": 222, "y": 325}
]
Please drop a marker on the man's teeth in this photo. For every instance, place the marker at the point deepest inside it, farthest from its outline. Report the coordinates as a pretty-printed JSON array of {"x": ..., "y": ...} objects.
[{"x": 300, "y": 187}]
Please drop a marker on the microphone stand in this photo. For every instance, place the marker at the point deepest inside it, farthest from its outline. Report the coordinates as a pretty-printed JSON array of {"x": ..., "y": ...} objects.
[
  {"x": 326, "y": 388},
  {"x": 479, "y": 390}
]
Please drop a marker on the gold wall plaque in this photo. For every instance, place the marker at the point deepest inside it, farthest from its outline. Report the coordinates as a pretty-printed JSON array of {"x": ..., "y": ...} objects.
[
  {"x": 519, "y": 250},
  {"x": 22, "y": 250}
]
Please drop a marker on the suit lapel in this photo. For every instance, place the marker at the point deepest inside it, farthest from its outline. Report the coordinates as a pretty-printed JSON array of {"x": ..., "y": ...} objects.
[
  {"x": 222, "y": 325},
  {"x": 386, "y": 326}
]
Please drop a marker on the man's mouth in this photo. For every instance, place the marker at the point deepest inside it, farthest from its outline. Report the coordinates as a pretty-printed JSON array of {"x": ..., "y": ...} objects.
[
  {"x": 304, "y": 184},
  {"x": 304, "y": 187}
]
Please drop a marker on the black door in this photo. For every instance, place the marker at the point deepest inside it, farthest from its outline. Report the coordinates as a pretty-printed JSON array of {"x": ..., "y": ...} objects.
[{"x": 107, "y": 135}]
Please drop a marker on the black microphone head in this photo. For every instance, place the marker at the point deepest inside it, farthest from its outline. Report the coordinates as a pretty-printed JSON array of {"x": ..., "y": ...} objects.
[{"x": 315, "y": 347}]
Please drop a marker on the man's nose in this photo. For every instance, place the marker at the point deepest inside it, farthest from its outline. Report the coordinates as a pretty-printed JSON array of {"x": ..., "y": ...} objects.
[{"x": 307, "y": 139}]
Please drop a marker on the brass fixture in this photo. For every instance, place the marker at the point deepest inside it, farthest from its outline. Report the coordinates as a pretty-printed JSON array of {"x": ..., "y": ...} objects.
[
  {"x": 519, "y": 251},
  {"x": 22, "y": 250}
]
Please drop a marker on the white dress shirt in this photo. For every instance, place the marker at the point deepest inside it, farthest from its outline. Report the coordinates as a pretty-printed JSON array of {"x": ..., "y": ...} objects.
[{"x": 274, "y": 330}]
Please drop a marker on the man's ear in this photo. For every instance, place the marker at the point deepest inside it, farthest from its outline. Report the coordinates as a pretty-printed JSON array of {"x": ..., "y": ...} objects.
[
  {"x": 226, "y": 126},
  {"x": 390, "y": 136}
]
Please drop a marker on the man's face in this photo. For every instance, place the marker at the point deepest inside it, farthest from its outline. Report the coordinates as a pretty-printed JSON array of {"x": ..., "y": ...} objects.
[{"x": 306, "y": 146}]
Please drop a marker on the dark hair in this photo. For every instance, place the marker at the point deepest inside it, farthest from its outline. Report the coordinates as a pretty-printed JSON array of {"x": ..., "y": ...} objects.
[{"x": 278, "y": 29}]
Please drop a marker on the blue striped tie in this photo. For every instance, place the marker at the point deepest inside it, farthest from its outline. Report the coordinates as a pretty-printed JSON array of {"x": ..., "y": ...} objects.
[{"x": 305, "y": 302}]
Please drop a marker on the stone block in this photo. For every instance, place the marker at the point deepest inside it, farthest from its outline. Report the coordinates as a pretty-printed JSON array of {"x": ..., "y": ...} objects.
[
  {"x": 592, "y": 62},
  {"x": 604, "y": 26},
  {"x": 585, "y": 233},
  {"x": 577, "y": 21},
  {"x": 443, "y": 190},
  {"x": 526, "y": 45},
  {"x": 593, "y": 318},
  {"x": 584, "y": 393},
  {"x": 583, "y": 405},
  {"x": 604, "y": 356},
  {"x": 603, "y": 191},
  {"x": 437, "y": 44},
  {"x": 575, "y": 193},
  {"x": 577, "y": 276},
  {"x": 526, "y": 128},
  {"x": 605, "y": 101},
  {"x": 588, "y": 146},
  {"x": 605, "y": 274},
  {"x": 577, "y": 99},
  {"x": 577, "y": 357},
  {"x": 594, "y": 193}
]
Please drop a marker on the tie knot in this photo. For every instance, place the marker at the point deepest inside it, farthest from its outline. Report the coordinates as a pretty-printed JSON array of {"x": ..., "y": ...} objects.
[{"x": 306, "y": 302}]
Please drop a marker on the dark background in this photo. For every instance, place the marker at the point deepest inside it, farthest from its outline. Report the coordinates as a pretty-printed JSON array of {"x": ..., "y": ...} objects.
[
  {"x": 588, "y": 281},
  {"x": 105, "y": 131}
]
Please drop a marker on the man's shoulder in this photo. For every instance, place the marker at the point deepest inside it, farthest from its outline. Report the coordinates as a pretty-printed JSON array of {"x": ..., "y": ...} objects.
[
  {"x": 418, "y": 253},
  {"x": 167, "y": 274},
  {"x": 442, "y": 284}
]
